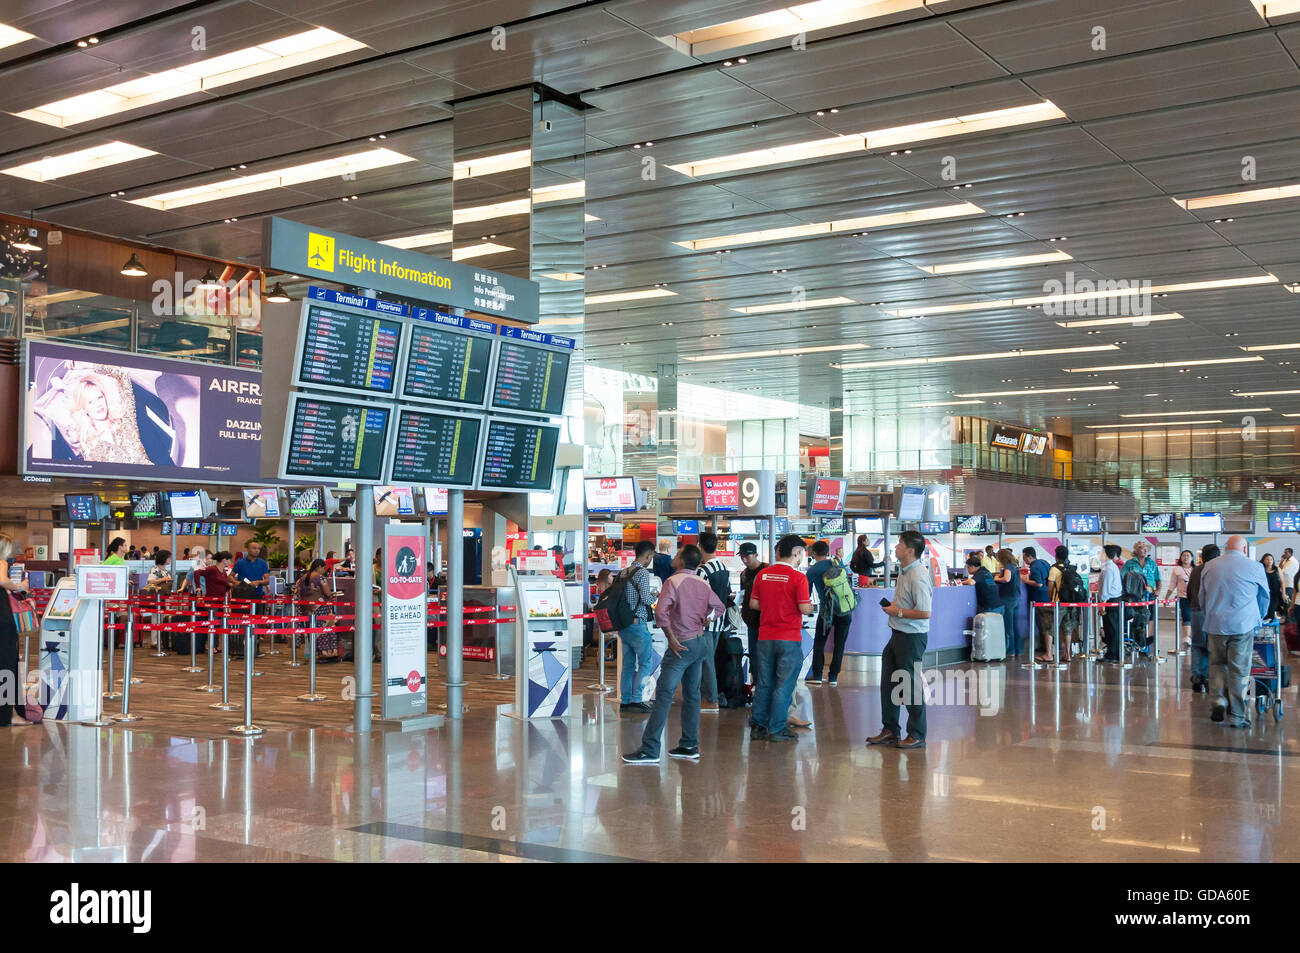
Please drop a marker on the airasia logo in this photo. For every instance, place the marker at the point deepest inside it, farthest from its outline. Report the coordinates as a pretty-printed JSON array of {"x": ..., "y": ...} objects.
[
  {"x": 608, "y": 484},
  {"x": 413, "y": 681}
]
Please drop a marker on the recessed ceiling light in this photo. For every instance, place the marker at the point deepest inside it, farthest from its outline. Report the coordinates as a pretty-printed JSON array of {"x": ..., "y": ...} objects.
[
  {"x": 1161, "y": 364},
  {"x": 774, "y": 352},
  {"x": 437, "y": 238},
  {"x": 1135, "y": 319},
  {"x": 629, "y": 296},
  {"x": 994, "y": 264},
  {"x": 1244, "y": 197},
  {"x": 1042, "y": 390},
  {"x": 794, "y": 305},
  {"x": 478, "y": 250},
  {"x": 813, "y": 229},
  {"x": 83, "y": 160},
  {"x": 490, "y": 164},
  {"x": 1151, "y": 423},
  {"x": 996, "y": 355},
  {"x": 10, "y": 36},
  {"x": 1193, "y": 413}
]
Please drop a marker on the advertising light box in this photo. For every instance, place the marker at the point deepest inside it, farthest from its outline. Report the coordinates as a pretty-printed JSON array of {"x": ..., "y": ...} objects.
[
  {"x": 720, "y": 492},
  {"x": 826, "y": 496},
  {"x": 1202, "y": 522},
  {"x": 610, "y": 494}
]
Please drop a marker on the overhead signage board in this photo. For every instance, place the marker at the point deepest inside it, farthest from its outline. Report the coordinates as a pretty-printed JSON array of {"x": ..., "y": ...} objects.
[
  {"x": 518, "y": 456},
  {"x": 1042, "y": 523},
  {"x": 317, "y": 252},
  {"x": 100, "y": 582},
  {"x": 344, "y": 348},
  {"x": 826, "y": 496},
  {"x": 1284, "y": 521},
  {"x": 1159, "y": 523},
  {"x": 435, "y": 447},
  {"x": 532, "y": 372},
  {"x": 335, "y": 439},
  {"x": 757, "y": 495},
  {"x": 1005, "y": 437},
  {"x": 909, "y": 503},
  {"x": 610, "y": 494},
  {"x": 973, "y": 525}
]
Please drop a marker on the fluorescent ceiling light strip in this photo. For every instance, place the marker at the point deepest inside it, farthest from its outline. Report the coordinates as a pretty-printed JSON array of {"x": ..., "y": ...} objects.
[
  {"x": 420, "y": 241},
  {"x": 478, "y": 250},
  {"x": 830, "y": 228},
  {"x": 1245, "y": 197},
  {"x": 275, "y": 179},
  {"x": 1193, "y": 413},
  {"x": 10, "y": 36},
  {"x": 587, "y": 217},
  {"x": 993, "y": 264},
  {"x": 563, "y": 275},
  {"x": 776, "y": 352},
  {"x": 1262, "y": 393},
  {"x": 794, "y": 305},
  {"x": 1272, "y": 347},
  {"x": 490, "y": 165},
  {"x": 84, "y": 160},
  {"x": 783, "y": 22},
  {"x": 991, "y": 356},
  {"x": 483, "y": 213},
  {"x": 946, "y": 403},
  {"x": 559, "y": 193},
  {"x": 1084, "y": 296},
  {"x": 629, "y": 296},
  {"x": 248, "y": 63},
  {"x": 1160, "y": 364},
  {"x": 1153, "y": 423},
  {"x": 1109, "y": 322},
  {"x": 877, "y": 139},
  {"x": 1043, "y": 390},
  {"x": 1291, "y": 415},
  {"x": 1276, "y": 8}
]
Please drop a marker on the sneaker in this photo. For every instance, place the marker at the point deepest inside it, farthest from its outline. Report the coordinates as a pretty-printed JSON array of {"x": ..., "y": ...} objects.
[
  {"x": 640, "y": 757},
  {"x": 886, "y": 737},
  {"x": 784, "y": 735},
  {"x": 834, "y": 683},
  {"x": 1217, "y": 714},
  {"x": 706, "y": 708},
  {"x": 757, "y": 734},
  {"x": 685, "y": 754},
  {"x": 812, "y": 681}
]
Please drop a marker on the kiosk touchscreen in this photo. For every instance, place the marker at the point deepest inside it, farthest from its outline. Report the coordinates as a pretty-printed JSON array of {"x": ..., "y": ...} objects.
[{"x": 542, "y": 642}]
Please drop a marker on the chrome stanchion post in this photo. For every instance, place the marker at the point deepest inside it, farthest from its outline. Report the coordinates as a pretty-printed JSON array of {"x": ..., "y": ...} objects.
[
  {"x": 498, "y": 677},
  {"x": 1179, "y": 649},
  {"x": 312, "y": 695},
  {"x": 601, "y": 686},
  {"x": 293, "y": 636},
  {"x": 157, "y": 632},
  {"x": 225, "y": 704},
  {"x": 1155, "y": 633},
  {"x": 99, "y": 720},
  {"x": 210, "y": 688},
  {"x": 128, "y": 660},
  {"x": 112, "y": 694},
  {"x": 248, "y": 729},
  {"x": 1056, "y": 639},
  {"x": 193, "y": 667},
  {"x": 270, "y": 640},
  {"x": 1032, "y": 665},
  {"x": 1125, "y": 638}
]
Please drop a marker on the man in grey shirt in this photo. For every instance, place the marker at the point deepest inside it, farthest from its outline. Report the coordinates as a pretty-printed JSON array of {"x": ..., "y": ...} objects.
[
  {"x": 1234, "y": 592},
  {"x": 900, "y": 663}
]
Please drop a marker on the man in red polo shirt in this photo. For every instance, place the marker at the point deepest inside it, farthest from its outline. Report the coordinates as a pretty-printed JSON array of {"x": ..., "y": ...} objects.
[{"x": 780, "y": 594}]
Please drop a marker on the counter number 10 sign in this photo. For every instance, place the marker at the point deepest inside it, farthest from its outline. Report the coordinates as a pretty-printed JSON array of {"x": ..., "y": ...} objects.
[
  {"x": 938, "y": 497},
  {"x": 757, "y": 493}
]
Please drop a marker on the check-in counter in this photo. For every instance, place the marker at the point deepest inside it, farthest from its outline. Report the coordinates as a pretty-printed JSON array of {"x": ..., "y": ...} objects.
[{"x": 951, "y": 613}]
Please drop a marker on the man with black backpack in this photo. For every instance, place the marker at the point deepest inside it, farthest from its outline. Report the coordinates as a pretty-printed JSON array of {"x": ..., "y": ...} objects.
[
  {"x": 627, "y": 602},
  {"x": 1064, "y": 584},
  {"x": 831, "y": 616},
  {"x": 718, "y": 576}
]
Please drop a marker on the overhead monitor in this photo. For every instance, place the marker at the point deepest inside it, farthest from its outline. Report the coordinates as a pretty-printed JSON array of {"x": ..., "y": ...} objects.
[
  {"x": 935, "y": 527},
  {"x": 1042, "y": 523},
  {"x": 1082, "y": 523},
  {"x": 743, "y": 528},
  {"x": 909, "y": 503},
  {"x": 782, "y": 525},
  {"x": 435, "y": 446},
  {"x": 519, "y": 456},
  {"x": 306, "y": 502},
  {"x": 1284, "y": 521},
  {"x": 146, "y": 506},
  {"x": 261, "y": 502},
  {"x": 686, "y": 527},
  {"x": 347, "y": 349},
  {"x": 190, "y": 504},
  {"x": 1159, "y": 523},
  {"x": 720, "y": 492},
  {"x": 85, "y": 507},
  {"x": 619, "y": 494},
  {"x": 333, "y": 439},
  {"x": 832, "y": 525},
  {"x": 394, "y": 501},
  {"x": 447, "y": 364},
  {"x": 803, "y": 527},
  {"x": 1202, "y": 522},
  {"x": 435, "y": 500},
  {"x": 869, "y": 525},
  {"x": 530, "y": 378},
  {"x": 975, "y": 525},
  {"x": 826, "y": 496}
]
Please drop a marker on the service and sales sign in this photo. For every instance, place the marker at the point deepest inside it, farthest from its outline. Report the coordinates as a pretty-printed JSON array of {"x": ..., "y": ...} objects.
[
  {"x": 626, "y": 557},
  {"x": 308, "y": 250},
  {"x": 406, "y": 589},
  {"x": 100, "y": 582},
  {"x": 536, "y": 560}
]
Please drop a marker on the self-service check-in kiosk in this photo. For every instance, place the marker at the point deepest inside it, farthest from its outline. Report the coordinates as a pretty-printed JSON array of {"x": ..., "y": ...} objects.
[
  {"x": 543, "y": 680},
  {"x": 69, "y": 653}
]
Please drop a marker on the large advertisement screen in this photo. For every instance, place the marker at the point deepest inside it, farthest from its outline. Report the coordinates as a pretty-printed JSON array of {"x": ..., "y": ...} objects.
[{"x": 88, "y": 412}]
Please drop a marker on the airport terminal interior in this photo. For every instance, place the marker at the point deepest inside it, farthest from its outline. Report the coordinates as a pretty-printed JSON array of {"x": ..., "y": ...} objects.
[{"x": 650, "y": 431}]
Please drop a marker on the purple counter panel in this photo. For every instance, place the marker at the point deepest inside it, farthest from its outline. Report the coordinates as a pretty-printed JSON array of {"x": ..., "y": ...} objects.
[{"x": 952, "y": 609}]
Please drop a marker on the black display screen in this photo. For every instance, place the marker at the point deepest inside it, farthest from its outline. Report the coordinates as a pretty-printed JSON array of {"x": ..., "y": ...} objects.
[
  {"x": 308, "y": 501},
  {"x": 343, "y": 349},
  {"x": 1283, "y": 521},
  {"x": 146, "y": 506},
  {"x": 82, "y": 508},
  {"x": 530, "y": 379},
  {"x": 444, "y": 365},
  {"x": 518, "y": 456},
  {"x": 435, "y": 448},
  {"x": 336, "y": 440}
]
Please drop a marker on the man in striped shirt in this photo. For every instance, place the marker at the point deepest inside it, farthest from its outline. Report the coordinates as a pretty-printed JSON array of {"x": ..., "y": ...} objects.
[{"x": 715, "y": 572}]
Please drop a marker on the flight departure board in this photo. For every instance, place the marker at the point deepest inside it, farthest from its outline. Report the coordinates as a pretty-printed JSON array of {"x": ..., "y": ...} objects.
[
  {"x": 530, "y": 379},
  {"x": 344, "y": 349},
  {"x": 435, "y": 448},
  {"x": 335, "y": 439},
  {"x": 518, "y": 455},
  {"x": 447, "y": 366}
]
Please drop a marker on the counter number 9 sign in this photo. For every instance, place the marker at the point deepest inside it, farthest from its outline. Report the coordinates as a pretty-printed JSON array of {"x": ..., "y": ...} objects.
[
  {"x": 938, "y": 497},
  {"x": 757, "y": 493}
]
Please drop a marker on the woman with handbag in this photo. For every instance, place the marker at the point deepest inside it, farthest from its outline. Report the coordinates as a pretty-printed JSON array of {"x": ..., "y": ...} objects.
[{"x": 9, "y": 638}]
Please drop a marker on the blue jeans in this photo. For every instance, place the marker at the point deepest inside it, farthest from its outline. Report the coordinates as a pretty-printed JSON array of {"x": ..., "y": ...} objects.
[
  {"x": 1200, "y": 644},
  {"x": 637, "y": 657},
  {"x": 778, "y": 671},
  {"x": 672, "y": 672},
  {"x": 1011, "y": 614}
]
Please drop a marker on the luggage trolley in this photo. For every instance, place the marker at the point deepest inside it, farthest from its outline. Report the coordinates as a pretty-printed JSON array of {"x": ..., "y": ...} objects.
[{"x": 1266, "y": 670}]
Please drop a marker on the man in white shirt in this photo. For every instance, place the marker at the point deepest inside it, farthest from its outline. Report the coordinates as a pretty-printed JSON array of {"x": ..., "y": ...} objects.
[{"x": 1287, "y": 569}]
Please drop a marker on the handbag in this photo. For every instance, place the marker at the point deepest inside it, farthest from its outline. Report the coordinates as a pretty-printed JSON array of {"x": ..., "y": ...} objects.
[{"x": 24, "y": 611}]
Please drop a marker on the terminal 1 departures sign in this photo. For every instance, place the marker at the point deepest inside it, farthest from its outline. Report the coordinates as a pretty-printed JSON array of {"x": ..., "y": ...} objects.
[{"x": 308, "y": 250}]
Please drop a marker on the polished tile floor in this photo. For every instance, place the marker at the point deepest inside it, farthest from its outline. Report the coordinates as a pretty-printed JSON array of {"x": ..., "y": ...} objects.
[{"x": 1092, "y": 764}]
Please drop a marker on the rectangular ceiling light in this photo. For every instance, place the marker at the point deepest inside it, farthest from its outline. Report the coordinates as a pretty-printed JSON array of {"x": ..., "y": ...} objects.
[
  {"x": 1262, "y": 393},
  {"x": 1272, "y": 347},
  {"x": 991, "y": 356},
  {"x": 1276, "y": 8},
  {"x": 794, "y": 305},
  {"x": 782, "y": 22},
  {"x": 9, "y": 36},
  {"x": 1109, "y": 322},
  {"x": 946, "y": 403},
  {"x": 1084, "y": 296},
  {"x": 83, "y": 160},
  {"x": 993, "y": 264},
  {"x": 1241, "y": 198},
  {"x": 1152, "y": 423},
  {"x": 490, "y": 165},
  {"x": 420, "y": 241},
  {"x": 559, "y": 193},
  {"x": 1044, "y": 390},
  {"x": 1159, "y": 364},
  {"x": 877, "y": 139},
  {"x": 483, "y": 213},
  {"x": 248, "y": 63},
  {"x": 836, "y": 227},
  {"x": 629, "y": 296},
  {"x": 478, "y": 250},
  {"x": 777, "y": 352},
  {"x": 1193, "y": 413},
  {"x": 563, "y": 275},
  {"x": 276, "y": 179}
]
